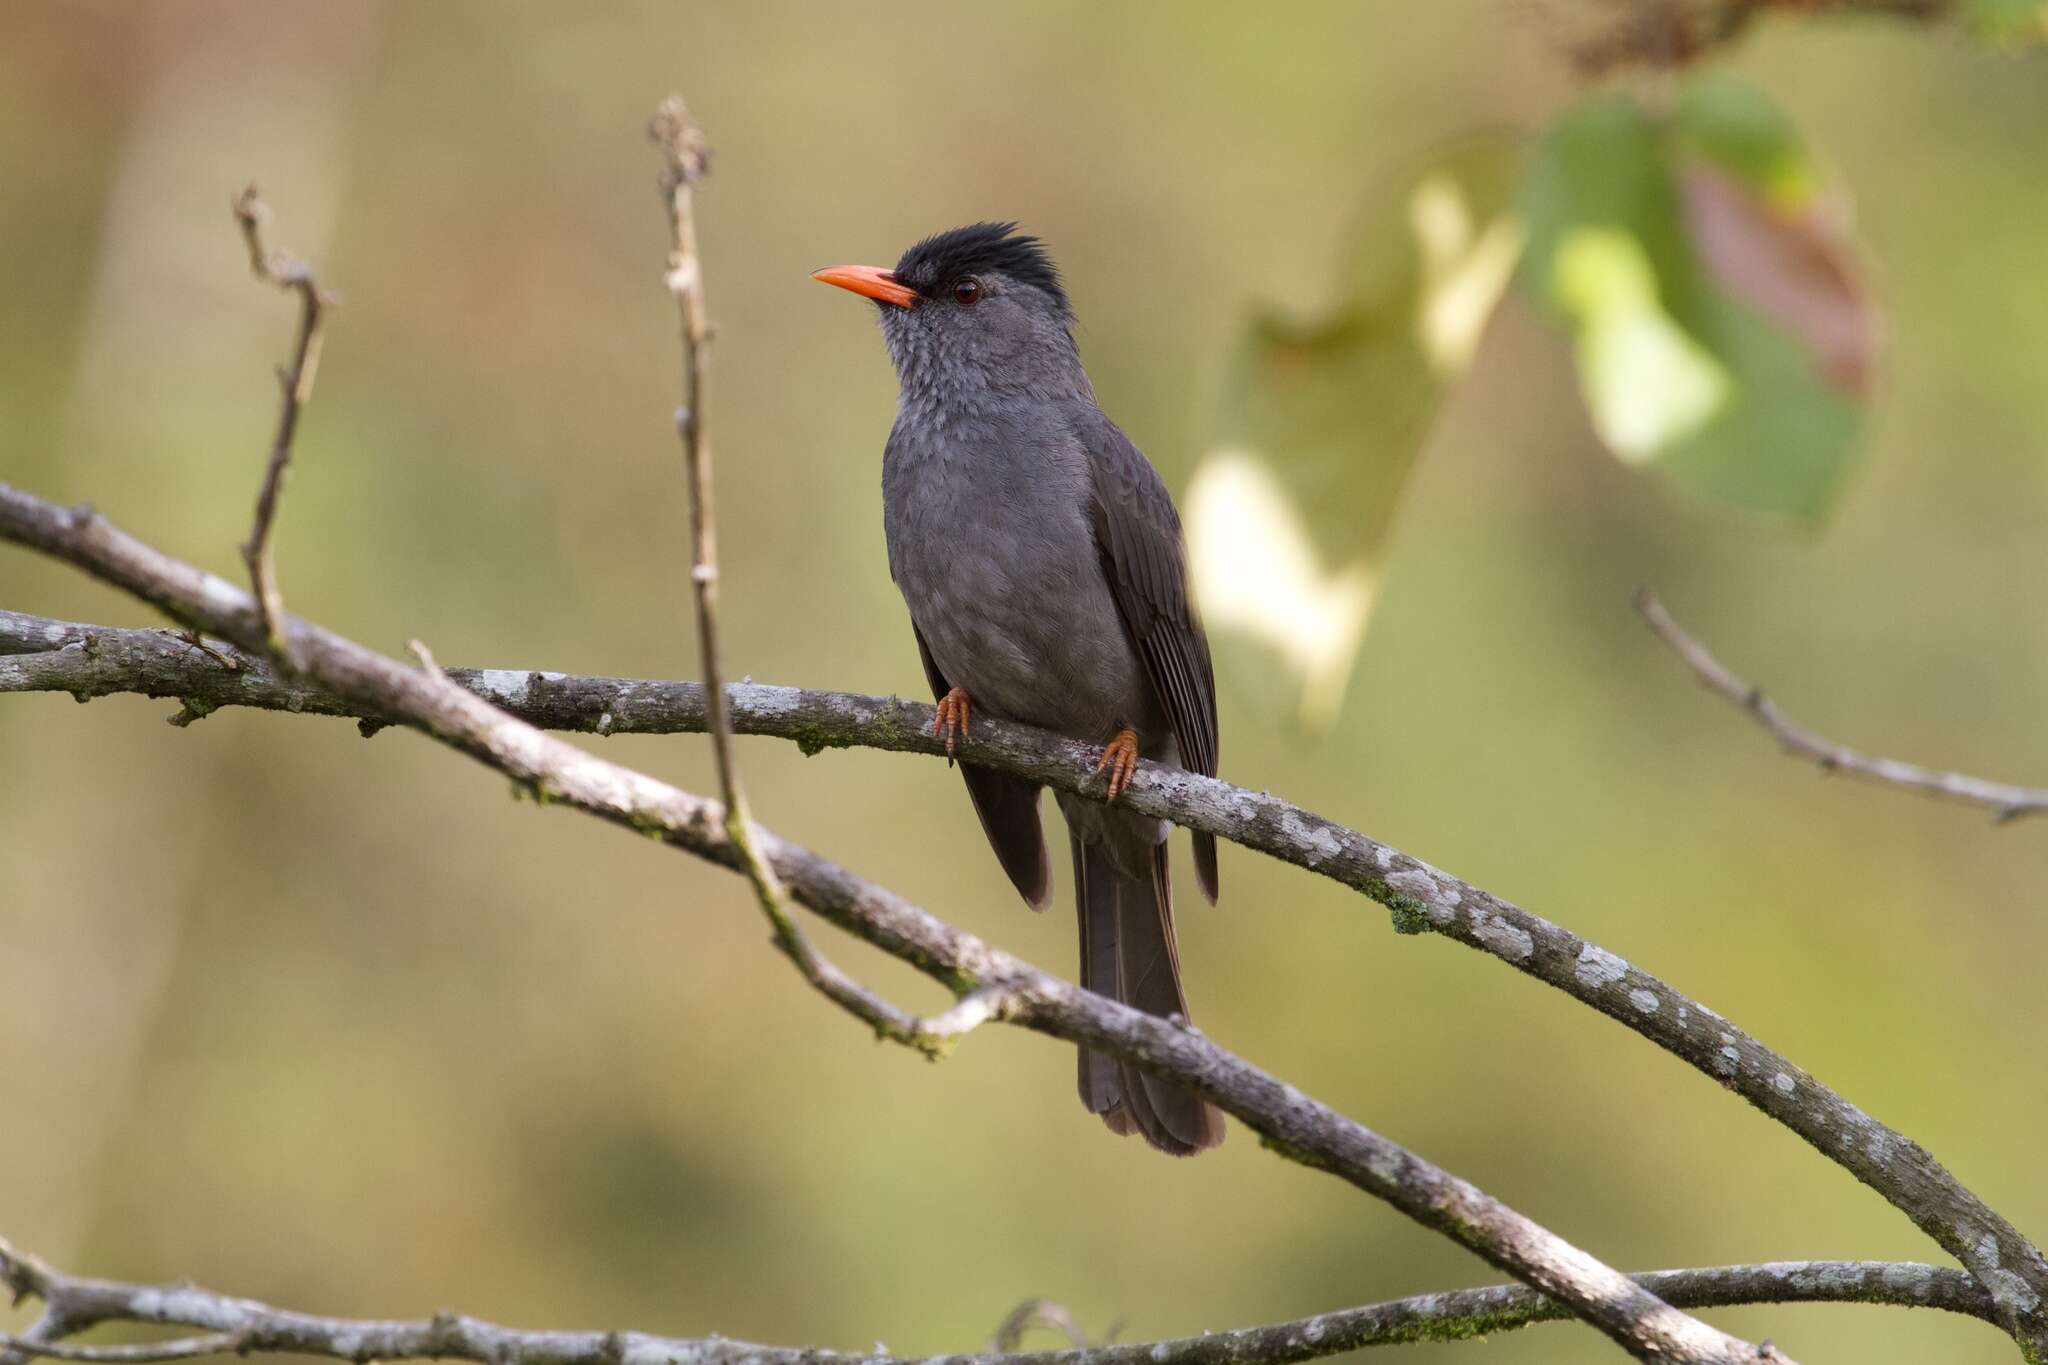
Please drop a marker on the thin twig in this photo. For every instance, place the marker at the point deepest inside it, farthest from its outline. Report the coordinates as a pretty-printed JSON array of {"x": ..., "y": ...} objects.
[
  {"x": 1292, "y": 1123},
  {"x": 288, "y": 273},
  {"x": 87, "y": 661},
  {"x": 2007, "y": 802},
  {"x": 969, "y": 1012},
  {"x": 1037, "y": 1313},
  {"x": 193, "y": 639},
  {"x": 1457, "y": 1315},
  {"x": 686, "y": 159}
]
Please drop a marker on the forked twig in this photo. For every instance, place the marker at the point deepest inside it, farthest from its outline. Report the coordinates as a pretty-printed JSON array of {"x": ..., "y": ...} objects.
[{"x": 289, "y": 273}]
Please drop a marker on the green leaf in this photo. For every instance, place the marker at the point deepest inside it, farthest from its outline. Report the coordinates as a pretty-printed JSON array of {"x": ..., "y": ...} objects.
[
  {"x": 1648, "y": 385},
  {"x": 2010, "y": 23},
  {"x": 1721, "y": 329},
  {"x": 1737, "y": 128},
  {"x": 1321, "y": 421}
]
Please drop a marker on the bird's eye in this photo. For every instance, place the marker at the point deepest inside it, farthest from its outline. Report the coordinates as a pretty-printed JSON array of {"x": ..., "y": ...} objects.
[{"x": 965, "y": 292}]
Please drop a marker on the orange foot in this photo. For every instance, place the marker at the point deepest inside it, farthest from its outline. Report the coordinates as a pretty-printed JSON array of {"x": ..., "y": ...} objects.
[
  {"x": 951, "y": 720},
  {"x": 1120, "y": 756}
]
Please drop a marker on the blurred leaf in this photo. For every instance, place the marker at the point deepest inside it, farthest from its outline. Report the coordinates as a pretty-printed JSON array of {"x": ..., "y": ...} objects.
[
  {"x": 1739, "y": 129},
  {"x": 1321, "y": 422},
  {"x": 1790, "y": 270},
  {"x": 1647, "y": 384},
  {"x": 2011, "y": 22},
  {"x": 1721, "y": 328},
  {"x": 1257, "y": 572}
]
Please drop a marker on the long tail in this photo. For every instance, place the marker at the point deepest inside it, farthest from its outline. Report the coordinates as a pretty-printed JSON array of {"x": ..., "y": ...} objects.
[{"x": 1127, "y": 953}]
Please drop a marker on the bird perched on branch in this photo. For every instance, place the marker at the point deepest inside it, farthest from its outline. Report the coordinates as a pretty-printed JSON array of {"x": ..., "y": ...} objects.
[{"x": 1042, "y": 562}]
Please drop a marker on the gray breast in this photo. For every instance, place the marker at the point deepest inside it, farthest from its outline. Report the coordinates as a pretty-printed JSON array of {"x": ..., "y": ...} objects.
[{"x": 991, "y": 545}]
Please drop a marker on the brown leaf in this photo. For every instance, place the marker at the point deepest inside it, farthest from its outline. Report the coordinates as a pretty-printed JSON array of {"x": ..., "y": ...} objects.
[{"x": 1794, "y": 269}]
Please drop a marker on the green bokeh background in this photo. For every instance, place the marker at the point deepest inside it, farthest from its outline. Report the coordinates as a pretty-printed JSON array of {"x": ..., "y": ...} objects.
[{"x": 338, "y": 1024}]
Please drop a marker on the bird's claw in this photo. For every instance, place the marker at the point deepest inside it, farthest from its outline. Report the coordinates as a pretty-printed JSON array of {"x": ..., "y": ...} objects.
[
  {"x": 1120, "y": 756},
  {"x": 951, "y": 719}
]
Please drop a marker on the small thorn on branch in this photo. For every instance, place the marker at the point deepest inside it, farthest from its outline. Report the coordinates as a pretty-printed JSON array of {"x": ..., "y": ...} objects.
[
  {"x": 190, "y": 709},
  {"x": 418, "y": 649},
  {"x": 192, "y": 639}
]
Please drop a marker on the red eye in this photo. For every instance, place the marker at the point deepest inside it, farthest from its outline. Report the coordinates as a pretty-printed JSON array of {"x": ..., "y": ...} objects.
[{"x": 966, "y": 292}]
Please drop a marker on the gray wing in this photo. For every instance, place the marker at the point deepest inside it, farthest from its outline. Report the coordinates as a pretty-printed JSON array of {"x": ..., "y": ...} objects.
[
  {"x": 1008, "y": 807},
  {"x": 1137, "y": 534}
]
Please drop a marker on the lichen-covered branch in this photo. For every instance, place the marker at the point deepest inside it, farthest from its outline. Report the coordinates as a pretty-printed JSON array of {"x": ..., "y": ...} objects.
[
  {"x": 245, "y": 1325},
  {"x": 91, "y": 661},
  {"x": 2006, "y": 801},
  {"x": 554, "y": 771}
]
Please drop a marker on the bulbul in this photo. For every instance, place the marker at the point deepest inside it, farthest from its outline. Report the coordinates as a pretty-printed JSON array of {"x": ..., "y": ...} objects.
[{"x": 1042, "y": 562}]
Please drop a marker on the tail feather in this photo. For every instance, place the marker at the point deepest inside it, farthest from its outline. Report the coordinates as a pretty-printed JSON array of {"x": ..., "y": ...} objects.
[{"x": 1128, "y": 954}]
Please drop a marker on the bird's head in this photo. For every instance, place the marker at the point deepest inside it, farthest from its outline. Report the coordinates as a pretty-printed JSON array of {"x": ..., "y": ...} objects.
[{"x": 977, "y": 309}]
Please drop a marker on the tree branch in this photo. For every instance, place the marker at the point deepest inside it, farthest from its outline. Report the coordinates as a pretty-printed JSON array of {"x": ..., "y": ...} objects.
[
  {"x": 686, "y": 159},
  {"x": 2007, "y": 802},
  {"x": 554, "y": 771},
  {"x": 245, "y": 1325},
  {"x": 288, "y": 273},
  {"x": 1675, "y": 33},
  {"x": 91, "y": 661}
]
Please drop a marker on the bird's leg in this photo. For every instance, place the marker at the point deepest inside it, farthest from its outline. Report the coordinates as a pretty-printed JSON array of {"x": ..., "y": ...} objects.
[
  {"x": 1120, "y": 756},
  {"x": 951, "y": 719}
]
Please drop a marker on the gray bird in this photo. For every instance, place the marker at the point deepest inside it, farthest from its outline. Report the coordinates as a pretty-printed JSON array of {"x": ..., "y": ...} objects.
[{"x": 1041, "y": 559}]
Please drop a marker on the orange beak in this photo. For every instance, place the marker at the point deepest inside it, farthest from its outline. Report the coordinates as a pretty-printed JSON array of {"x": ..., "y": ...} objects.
[{"x": 870, "y": 282}]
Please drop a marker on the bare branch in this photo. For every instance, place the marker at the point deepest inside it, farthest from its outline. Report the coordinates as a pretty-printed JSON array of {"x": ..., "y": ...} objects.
[
  {"x": 1293, "y": 1124},
  {"x": 686, "y": 159},
  {"x": 1663, "y": 34},
  {"x": 294, "y": 275},
  {"x": 1457, "y": 1315},
  {"x": 2007, "y": 802},
  {"x": 184, "y": 1348},
  {"x": 88, "y": 661}
]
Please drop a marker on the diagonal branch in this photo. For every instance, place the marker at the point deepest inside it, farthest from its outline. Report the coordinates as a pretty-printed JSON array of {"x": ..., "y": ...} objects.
[
  {"x": 1293, "y": 1124},
  {"x": 2007, "y": 802},
  {"x": 90, "y": 661},
  {"x": 1458, "y": 1315},
  {"x": 289, "y": 273}
]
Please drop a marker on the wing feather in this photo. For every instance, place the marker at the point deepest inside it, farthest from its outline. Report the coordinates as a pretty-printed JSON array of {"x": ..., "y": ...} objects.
[{"x": 1138, "y": 536}]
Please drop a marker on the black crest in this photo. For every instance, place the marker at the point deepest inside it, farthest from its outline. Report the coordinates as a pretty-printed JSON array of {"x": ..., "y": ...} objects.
[{"x": 935, "y": 263}]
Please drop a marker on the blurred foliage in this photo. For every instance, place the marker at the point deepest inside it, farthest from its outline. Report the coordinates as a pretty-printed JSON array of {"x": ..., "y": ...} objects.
[
  {"x": 335, "y": 1023},
  {"x": 1721, "y": 331},
  {"x": 1322, "y": 422},
  {"x": 2015, "y": 23}
]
